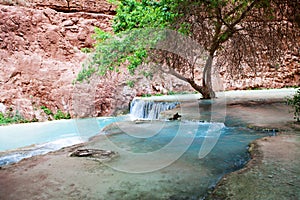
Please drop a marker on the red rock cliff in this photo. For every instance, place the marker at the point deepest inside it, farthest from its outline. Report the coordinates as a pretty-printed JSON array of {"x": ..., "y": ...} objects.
[
  {"x": 40, "y": 57},
  {"x": 40, "y": 51},
  {"x": 40, "y": 44}
]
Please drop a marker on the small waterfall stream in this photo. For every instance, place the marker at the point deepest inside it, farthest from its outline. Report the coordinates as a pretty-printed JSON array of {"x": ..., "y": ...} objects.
[
  {"x": 187, "y": 178},
  {"x": 149, "y": 109}
]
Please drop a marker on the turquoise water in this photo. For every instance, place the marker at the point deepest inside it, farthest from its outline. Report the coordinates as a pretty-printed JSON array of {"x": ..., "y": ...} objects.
[
  {"x": 157, "y": 159},
  {"x": 20, "y": 141},
  {"x": 188, "y": 176}
]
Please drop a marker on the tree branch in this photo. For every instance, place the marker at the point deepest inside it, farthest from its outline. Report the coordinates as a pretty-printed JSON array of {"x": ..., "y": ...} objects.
[
  {"x": 174, "y": 73},
  {"x": 243, "y": 15}
]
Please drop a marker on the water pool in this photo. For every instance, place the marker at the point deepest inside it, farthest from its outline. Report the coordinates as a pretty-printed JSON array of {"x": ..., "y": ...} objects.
[
  {"x": 20, "y": 141},
  {"x": 188, "y": 177},
  {"x": 184, "y": 176}
]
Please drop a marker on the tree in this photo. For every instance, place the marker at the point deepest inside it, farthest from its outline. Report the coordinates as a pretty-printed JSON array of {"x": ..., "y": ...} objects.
[
  {"x": 294, "y": 101},
  {"x": 241, "y": 33},
  {"x": 235, "y": 33}
]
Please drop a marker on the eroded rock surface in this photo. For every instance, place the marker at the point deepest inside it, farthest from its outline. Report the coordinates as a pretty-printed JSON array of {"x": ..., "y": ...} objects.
[
  {"x": 40, "y": 52},
  {"x": 40, "y": 56}
]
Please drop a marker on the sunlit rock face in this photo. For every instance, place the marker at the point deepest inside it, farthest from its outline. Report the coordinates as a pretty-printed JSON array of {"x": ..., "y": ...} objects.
[
  {"x": 285, "y": 74},
  {"x": 40, "y": 51},
  {"x": 89, "y": 6},
  {"x": 40, "y": 57}
]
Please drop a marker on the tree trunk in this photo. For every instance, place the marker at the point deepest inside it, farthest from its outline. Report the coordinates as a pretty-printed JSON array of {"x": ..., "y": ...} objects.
[{"x": 207, "y": 90}]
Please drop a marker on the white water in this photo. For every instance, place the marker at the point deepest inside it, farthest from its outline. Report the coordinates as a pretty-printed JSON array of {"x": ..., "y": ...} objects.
[
  {"x": 27, "y": 152},
  {"x": 149, "y": 109},
  {"x": 19, "y": 141}
]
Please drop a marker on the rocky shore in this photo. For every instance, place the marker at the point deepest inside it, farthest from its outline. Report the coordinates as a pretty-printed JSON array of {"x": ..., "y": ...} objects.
[
  {"x": 274, "y": 169},
  {"x": 273, "y": 172}
]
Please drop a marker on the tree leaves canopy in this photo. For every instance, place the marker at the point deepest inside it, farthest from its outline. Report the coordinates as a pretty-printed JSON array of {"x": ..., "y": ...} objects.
[{"x": 236, "y": 33}]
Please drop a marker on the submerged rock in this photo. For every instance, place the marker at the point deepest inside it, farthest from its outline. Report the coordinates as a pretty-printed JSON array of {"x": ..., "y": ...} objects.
[{"x": 98, "y": 154}]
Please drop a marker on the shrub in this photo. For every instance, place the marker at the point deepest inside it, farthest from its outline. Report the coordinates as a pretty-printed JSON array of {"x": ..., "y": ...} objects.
[
  {"x": 295, "y": 103},
  {"x": 9, "y": 118},
  {"x": 130, "y": 83},
  {"x": 46, "y": 110},
  {"x": 61, "y": 115},
  {"x": 58, "y": 115}
]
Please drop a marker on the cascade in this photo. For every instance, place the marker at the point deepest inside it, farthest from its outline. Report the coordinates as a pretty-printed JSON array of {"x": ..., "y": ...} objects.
[{"x": 149, "y": 109}]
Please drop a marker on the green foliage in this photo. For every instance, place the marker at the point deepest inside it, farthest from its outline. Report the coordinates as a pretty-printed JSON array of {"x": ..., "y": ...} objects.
[
  {"x": 86, "y": 50},
  {"x": 116, "y": 2},
  {"x": 130, "y": 83},
  {"x": 86, "y": 72},
  {"x": 178, "y": 93},
  {"x": 295, "y": 103},
  {"x": 58, "y": 115},
  {"x": 169, "y": 93},
  {"x": 129, "y": 47},
  {"x": 147, "y": 74},
  {"x": 134, "y": 36},
  {"x": 61, "y": 115},
  {"x": 185, "y": 28},
  {"x": 46, "y": 110},
  {"x": 101, "y": 35},
  {"x": 10, "y": 118},
  {"x": 133, "y": 14},
  {"x": 146, "y": 95}
]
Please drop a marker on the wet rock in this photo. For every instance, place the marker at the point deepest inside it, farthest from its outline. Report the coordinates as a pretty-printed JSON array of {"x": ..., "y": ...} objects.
[
  {"x": 94, "y": 153},
  {"x": 175, "y": 117}
]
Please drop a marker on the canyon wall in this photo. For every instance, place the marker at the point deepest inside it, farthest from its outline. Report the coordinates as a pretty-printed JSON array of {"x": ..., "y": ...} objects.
[
  {"x": 40, "y": 53},
  {"x": 40, "y": 57},
  {"x": 285, "y": 74}
]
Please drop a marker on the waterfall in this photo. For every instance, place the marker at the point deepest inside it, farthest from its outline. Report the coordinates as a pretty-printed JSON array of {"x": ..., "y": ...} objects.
[{"x": 147, "y": 109}]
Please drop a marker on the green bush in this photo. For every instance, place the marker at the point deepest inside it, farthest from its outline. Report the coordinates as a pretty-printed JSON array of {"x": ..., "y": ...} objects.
[
  {"x": 140, "y": 14},
  {"x": 146, "y": 95},
  {"x": 58, "y": 115},
  {"x": 10, "y": 118},
  {"x": 61, "y": 115},
  {"x": 171, "y": 93},
  {"x": 46, "y": 110},
  {"x": 86, "y": 50},
  {"x": 295, "y": 103},
  {"x": 130, "y": 83}
]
